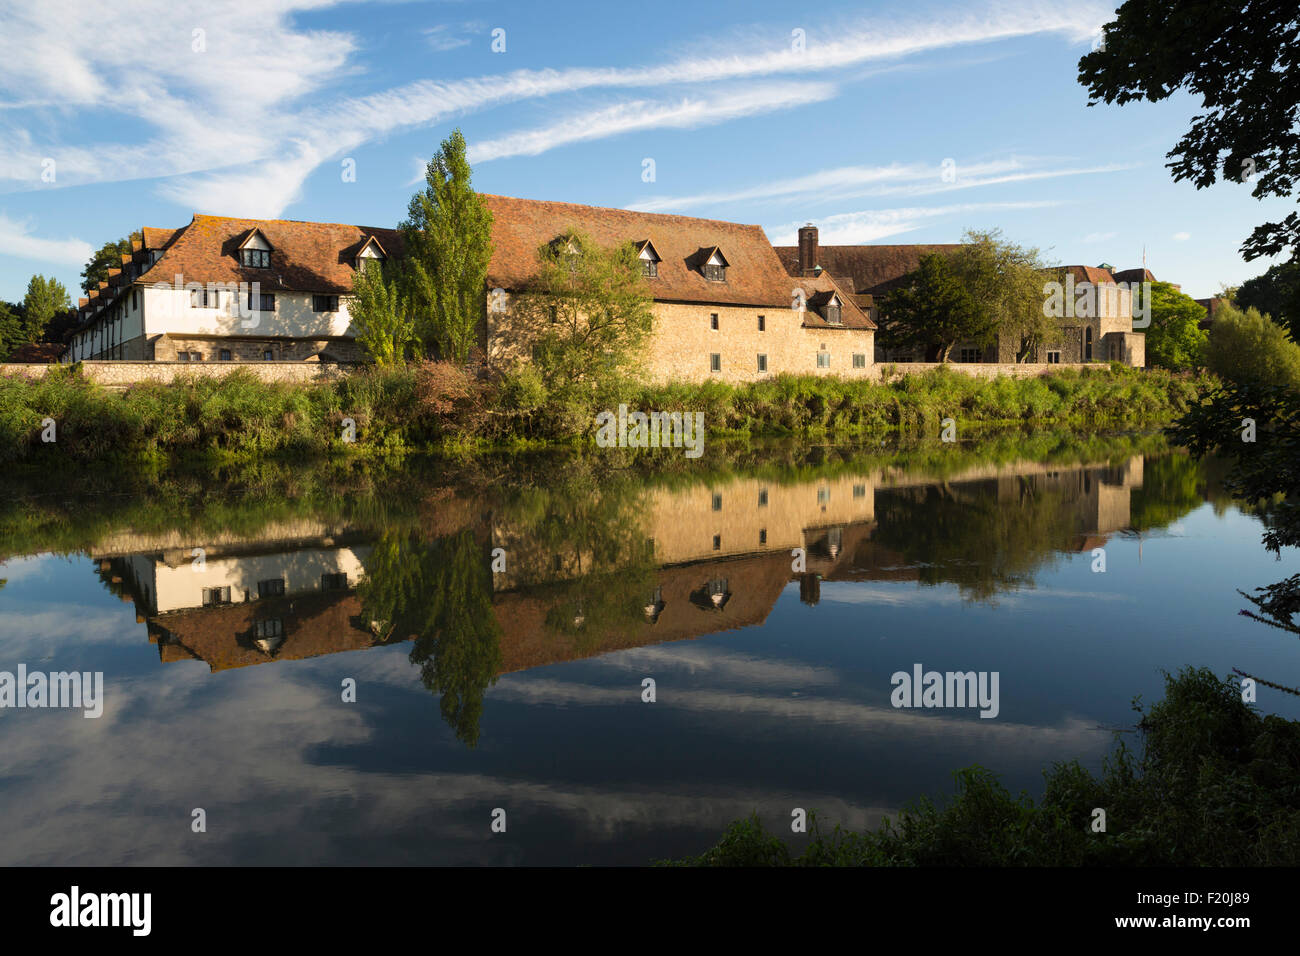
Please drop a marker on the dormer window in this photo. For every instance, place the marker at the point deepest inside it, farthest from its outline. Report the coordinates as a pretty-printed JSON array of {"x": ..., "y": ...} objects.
[
  {"x": 649, "y": 259},
  {"x": 715, "y": 267},
  {"x": 255, "y": 251},
  {"x": 370, "y": 253},
  {"x": 833, "y": 312}
]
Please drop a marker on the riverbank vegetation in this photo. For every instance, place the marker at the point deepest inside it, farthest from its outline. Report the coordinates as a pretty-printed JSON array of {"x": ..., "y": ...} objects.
[
  {"x": 437, "y": 407},
  {"x": 1211, "y": 782}
]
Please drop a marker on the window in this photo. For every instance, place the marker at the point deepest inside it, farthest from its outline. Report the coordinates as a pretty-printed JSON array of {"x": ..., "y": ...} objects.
[
  {"x": 196, "y": 356},
  {"x": 216, "y": 596},
  {"x": 265, "y": 302},
  {"x": 762, "y": 536},
  {"x": 762, "y": 363},
  {"x": 271, "y": 588},
  {"x": 203, "y": 298},
  {"x": 270, "y": 627},
  {"x": 762, "y": 498},
  {"x": 1087, "y": 343},
  {"x": 717, "y": 501},
  {"x": 1054, "y": 358},
  {"x": 833, "y": 313},
  {"x": 715, "y": 362},
  {"x": 255, "y": 258},
  {"x": 823, "y": 359},
  {"x": 334, "y": 582},
  {"x": 324, "y": 303},
  {"x": 762, "y": 323},
  {"x": 717, "y": 542},
  {"x": 970, "y": 355},
  {"x": 859, "y": 360},
  {"x": 859, "y": 491},
  {"x": 715, "y": 272},
  {"x": 268, "y": 356},
  {"x": 649, "y": 268},
  {"x": 713, "y": 321},
  {"x": 823, "y": 495},
  {"x": 225, "y": 355},
  {"x": 182, "y": 356}
]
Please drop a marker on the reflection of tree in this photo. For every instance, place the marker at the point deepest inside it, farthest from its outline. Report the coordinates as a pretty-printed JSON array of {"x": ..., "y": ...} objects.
[
  {"x": 582, "y": 544},
  {"x": 439, "y": 592},
  {"x": 1265, "y": 475},
  {"x": 966, "y": 535},
  {"x": 1171, "y": 488}
]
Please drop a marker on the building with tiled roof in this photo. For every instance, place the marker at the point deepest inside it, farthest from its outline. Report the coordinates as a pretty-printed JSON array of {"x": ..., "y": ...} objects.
[
  {"x": 223, "y": 289},
  {"x": 868, "y": 272},
  {"x": 724, "y": 307}
]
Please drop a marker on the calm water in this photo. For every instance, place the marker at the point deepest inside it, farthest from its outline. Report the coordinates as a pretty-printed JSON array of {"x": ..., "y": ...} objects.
[{"x": 522, "y": 688}]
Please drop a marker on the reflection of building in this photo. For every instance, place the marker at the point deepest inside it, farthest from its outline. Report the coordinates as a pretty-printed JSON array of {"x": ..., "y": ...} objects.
[{"x": 718, "y": 557}]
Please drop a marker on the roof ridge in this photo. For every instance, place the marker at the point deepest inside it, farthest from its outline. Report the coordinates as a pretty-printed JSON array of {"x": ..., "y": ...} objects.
[{"x": 623, "y": 210}]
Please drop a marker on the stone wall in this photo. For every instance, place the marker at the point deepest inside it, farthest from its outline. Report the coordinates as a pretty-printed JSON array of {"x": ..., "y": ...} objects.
[{"x": 116, "y": 374}]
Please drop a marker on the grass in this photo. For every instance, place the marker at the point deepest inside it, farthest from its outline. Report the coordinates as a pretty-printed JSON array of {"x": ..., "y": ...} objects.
[
  {"x": 434, "y": 407},
  {"x": 1212, "y": 783}
]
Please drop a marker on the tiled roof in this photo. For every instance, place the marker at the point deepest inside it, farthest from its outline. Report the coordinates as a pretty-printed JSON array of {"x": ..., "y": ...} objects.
[
  {"x": 863, "y": 269},
  {"x": 1134, "y": 275},
  {"x": 754, "y": 274},
  {"x": 38, "y": 353},
  {"x": 305, "y": 256},
  {"x": 1093, "y": 274},
  {"x": 818, "y": 290}
]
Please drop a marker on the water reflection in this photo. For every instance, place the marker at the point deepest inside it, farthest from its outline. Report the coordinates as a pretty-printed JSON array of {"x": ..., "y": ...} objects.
[{"x": 588, "y": 564}]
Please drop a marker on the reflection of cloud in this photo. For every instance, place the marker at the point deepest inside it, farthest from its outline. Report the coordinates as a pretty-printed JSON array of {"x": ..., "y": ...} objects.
[
  {"x": 717, "y": 663},
  {"x": 243, "y": 746},
  {"x": 912, "y": 595},
  {"x": 1073, "y": 735}
]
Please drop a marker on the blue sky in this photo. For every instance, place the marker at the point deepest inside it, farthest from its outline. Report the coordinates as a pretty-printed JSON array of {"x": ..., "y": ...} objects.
[{"x": 851, "y": 132}]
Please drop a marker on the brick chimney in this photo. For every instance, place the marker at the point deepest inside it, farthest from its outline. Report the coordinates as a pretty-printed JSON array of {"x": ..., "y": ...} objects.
[{"x": 808, "y": 250}]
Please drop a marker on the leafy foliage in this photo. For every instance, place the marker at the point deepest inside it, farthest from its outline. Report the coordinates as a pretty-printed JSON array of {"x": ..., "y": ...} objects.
[
  {"x": 1213, "y": 784},
  {"x": 448, "y": 244},
  {"x": 1175, "y": 339},
  {"x": 1252, "y": 349},
  {"x": 1242, "y": 60},
  {"x": 933, "y": 311},
  {"x": 380, "y": 315}
]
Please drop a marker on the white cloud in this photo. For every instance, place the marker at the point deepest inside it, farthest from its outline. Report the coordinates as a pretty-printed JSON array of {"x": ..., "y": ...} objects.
[
  {"x": 684, "y": 113},
  {"x": 17, "y": 240},
  {"x": 263, "y": 87},
  {"x": 848, "y": 182},
  {"x": 1099, "y": 236},
  {"x": 441, "y": 39},
  {"x": 871, "y": 225},
  {"x": 1182, "y": 236}
]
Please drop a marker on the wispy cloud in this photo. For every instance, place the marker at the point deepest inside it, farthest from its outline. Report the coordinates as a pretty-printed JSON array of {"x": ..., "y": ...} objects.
[
  {"x": 685, "y": 113},
  {"x": 1182, "y": 236},
  {"x": 897, "y": 179},
  {"x": 18, "y": 240},
  {"x": 441, "y": 39},
  {"x": 236, "y": 125},
  {"x": 870, "y": 225}
]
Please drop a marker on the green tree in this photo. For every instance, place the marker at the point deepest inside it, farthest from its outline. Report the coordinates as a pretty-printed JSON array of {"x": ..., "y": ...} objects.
[
  {"x": 448, "y": 234},
  {"x": 11, "y": 330},
  {"x": 934, "y": 311},
  {"x": 1240, "y": 59},
  {"x": 1006, "y": 281},
  {"x": 1175, "y": 339},
  {"x": 45, "y": 299},
  {"x": 108, "y": 257},
  {"x": 588, "y": 310},
  {"x": 380, "y": 316},
  {"x": 1276, "y": 293},
  {"x": 440, "y": 593},
  {"x": 1251, "y": 349}
]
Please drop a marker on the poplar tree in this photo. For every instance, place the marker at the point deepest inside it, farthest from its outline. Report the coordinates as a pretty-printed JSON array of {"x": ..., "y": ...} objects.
[{"x": 448, "y": 234}]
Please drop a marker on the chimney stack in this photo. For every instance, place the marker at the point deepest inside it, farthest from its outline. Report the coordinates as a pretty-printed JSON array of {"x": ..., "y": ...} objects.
[{"x": 808, "y": 250}]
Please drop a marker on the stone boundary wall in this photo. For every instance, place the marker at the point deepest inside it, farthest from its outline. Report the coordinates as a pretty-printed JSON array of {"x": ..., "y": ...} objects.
[
  {"x": 122, "y": 373},
  {"x": 980, "y": 369}
]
